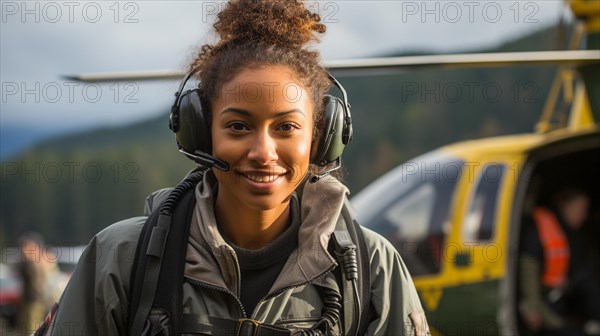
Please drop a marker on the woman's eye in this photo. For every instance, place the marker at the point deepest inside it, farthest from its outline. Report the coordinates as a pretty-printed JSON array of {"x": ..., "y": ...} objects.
[
  {"x": 288, "y": 127},
  {"x": 237, "y": 126}
]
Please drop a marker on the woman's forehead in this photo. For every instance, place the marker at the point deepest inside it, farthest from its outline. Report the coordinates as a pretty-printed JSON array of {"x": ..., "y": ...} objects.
[
  {"x": 275, "y": 86},
  {"x": 270, "y": 77}
]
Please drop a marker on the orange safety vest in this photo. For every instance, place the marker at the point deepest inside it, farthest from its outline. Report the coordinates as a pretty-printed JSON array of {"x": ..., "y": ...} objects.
[{"x": 555, "y": 245}]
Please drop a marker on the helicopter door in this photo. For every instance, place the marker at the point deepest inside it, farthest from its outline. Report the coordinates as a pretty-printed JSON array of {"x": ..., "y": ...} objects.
[
  {"x": 479, "y": 221},
  {"x": 474, "y": 255}
]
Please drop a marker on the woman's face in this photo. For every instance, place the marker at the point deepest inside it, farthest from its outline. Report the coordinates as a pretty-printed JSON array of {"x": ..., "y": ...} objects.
[{"x": 262, "y": 126}]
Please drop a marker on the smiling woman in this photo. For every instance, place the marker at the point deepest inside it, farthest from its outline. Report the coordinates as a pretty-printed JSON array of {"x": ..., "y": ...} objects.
[
  {"x": 258, "y": 240},
  {"x": 266, "y": 140}
]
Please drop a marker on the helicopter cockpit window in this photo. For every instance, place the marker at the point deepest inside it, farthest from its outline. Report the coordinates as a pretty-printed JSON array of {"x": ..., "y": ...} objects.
[
  {"x": 478, "y": 223},
  {"x": 412, "y": 216},
  {"x": 410, "y": 207}
]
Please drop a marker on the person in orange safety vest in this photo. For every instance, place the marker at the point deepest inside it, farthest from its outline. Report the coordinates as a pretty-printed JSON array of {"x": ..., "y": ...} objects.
[{"x": 554, "y": 280}]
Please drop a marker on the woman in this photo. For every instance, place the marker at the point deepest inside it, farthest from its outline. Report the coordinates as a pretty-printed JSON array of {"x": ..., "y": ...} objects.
[{"x": 257, "y": 255}]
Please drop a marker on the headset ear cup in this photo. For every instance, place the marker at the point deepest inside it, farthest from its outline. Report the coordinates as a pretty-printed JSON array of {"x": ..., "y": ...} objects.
[
  {"x": 330, "y": 145},
  {"x": 194, "y": 132}
]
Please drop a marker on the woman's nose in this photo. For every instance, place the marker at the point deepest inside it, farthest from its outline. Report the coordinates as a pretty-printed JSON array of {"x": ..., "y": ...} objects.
[{"x": 264, "y": 149}]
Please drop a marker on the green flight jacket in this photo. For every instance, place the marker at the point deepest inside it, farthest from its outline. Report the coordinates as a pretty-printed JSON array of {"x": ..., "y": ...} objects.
[{"x": 95, "y": 302}]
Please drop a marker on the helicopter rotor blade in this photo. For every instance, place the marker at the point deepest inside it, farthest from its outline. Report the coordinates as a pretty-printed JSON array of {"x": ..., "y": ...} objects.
[
  {"x": 368, "y": 66},
  {"x": 128, "y": 76}
]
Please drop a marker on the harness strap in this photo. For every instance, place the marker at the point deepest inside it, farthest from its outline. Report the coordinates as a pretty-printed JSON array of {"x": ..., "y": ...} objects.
[
  {"x": 364, "y": 269},
  {"x": 154, "y": 253},
  {"x": 157, "y": 269},
  {"x": 345, "y": 250},
  {"x": 212, "y": 325}
]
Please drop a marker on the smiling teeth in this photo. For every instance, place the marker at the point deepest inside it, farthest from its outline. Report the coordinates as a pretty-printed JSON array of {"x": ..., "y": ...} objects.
[{"x": 262, "y": 178}]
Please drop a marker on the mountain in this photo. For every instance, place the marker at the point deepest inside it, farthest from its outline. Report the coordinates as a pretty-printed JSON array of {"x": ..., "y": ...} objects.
[
  {"x": 16, "y": 139},
  {"x": 70, "y": 187}
]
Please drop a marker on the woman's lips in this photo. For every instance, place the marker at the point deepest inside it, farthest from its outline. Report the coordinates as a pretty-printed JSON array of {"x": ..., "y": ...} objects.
[
  {"x": 263, "y": 181},
  {"x": 261, "y": 178}
]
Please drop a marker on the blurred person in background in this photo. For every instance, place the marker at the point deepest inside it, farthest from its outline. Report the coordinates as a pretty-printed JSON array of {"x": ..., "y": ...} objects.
[
  {"x": 39, "y": 276},
  {"x": 556, "y": 281}
]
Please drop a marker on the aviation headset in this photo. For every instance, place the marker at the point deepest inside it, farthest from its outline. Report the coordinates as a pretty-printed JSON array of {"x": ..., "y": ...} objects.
[{"x": 192, "y": 129}]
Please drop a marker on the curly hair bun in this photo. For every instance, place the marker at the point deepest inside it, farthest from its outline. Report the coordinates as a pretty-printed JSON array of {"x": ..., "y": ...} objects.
[
  {"x": 263, "y": 32},
  {"x": 279, "y": 22}
]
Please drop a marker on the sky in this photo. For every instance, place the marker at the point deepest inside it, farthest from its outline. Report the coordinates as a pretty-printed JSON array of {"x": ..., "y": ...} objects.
[{"x": 41, "y": 41}]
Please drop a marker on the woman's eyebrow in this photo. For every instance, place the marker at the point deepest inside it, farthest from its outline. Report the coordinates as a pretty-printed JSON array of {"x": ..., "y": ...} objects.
[
  {"x": 248, "y": 114},
  {"x": 279, "y": 114},
  {"x": 235, "y": 110}
]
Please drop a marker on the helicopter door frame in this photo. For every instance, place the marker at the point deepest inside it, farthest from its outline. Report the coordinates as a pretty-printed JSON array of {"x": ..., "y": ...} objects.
[{"x": 507, "y": 314}]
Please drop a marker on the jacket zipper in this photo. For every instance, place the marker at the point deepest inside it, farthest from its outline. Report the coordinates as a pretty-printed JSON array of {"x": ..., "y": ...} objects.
[
  {"x": 238, "y": 273},
  {"x": 220, "y": 289}
]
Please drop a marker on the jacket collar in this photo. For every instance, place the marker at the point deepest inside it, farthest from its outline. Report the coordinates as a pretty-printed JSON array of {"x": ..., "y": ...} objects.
[{"x": 212, "y": 261}]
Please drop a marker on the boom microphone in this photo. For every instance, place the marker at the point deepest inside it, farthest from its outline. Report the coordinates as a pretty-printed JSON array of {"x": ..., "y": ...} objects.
[
  {"x": 206, "y": 160},
  {"x": 316, "y": 177}
]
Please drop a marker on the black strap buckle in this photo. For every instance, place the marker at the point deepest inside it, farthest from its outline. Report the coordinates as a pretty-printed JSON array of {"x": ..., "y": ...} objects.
[{"x": 246, "y": 326}]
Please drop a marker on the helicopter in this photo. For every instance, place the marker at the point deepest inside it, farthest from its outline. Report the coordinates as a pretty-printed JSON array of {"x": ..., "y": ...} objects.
[{"x": 455, "y": 214}]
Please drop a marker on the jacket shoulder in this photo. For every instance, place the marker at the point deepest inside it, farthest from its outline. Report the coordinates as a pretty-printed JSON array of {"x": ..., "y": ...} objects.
[
  {"x": 112, "y": 250},
  {"x": 96, "y": 298},
  {"x": 122, "y": 233},
  {"x": 376, "y": 242},
  {"x": 393, "y": 294}
]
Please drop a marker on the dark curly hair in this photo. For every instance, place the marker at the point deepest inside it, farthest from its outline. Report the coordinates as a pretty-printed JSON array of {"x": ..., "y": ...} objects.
[{"x": 254, "y": 33}]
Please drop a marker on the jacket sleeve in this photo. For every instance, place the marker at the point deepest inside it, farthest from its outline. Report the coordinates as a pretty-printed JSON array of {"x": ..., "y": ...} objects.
[
  {"x": 530, "y": 270},
  {"x": 95, "y": 301},
  {"x": 532, "y": 301},
  {"x": 394, "y": 300}
]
